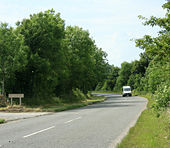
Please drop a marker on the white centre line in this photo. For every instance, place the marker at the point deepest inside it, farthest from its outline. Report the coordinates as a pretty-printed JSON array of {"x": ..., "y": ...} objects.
[
  {"x": 38, "y": 132},
  {"x": 72, "y": 120}
]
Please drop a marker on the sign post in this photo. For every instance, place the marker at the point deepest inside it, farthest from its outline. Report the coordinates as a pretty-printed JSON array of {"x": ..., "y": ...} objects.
[{"x": 11, "y": 96}]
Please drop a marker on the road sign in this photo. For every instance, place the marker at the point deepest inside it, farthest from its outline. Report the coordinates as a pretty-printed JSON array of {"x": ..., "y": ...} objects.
[{"x": 11, "y": 96}]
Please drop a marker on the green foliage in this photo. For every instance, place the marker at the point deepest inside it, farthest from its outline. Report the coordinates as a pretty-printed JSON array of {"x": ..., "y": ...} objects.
[
  {"x": 156, "y": 73},
  {"x": 162, "y": 98},
  {"x": 99, "y": 86},
  {"x": 124, "y": 74},
  {"x": 106, "y": 86},
  {"x": 157, "y": 50},
  {"x": 43, "y": 33},
  {"x": 42, "y": 59},
  {"x": 3, "y": 102},
  {"x": 85, "y": 62},
  {"x": 13, "y": 53},
  {"x": 2, "y": 121},
  {"x": 108, "y": 83},
  {"x": 137, "y": 72},
  {"x": 78, "y": 95},
  {"x": 152, "y": 71}
]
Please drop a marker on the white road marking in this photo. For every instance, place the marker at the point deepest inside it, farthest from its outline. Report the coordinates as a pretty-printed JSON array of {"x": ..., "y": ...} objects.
[
  {"x": 38, "y": 132},
  {"x": 72, "y": 120}
]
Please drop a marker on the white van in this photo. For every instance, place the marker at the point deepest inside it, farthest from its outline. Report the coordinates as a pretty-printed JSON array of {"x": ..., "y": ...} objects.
[{"x": 126, "y": 91}]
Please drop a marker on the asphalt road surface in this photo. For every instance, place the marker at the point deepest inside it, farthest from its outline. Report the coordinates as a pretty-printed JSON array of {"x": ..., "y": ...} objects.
[{"x": 101, "y": 125}]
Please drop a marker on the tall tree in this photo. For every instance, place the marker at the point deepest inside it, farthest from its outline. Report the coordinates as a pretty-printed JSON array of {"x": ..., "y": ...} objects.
[
  {"x": 158, "y": 51},
  {"x": 85, "y": 61},
  {"x": 124, "y": 74},
  {"x": 13, "y": 52},
  {"x": 156, "y": 79},
  {"x": 111, "y": 78},
  {"x": 44, "y": 33}
]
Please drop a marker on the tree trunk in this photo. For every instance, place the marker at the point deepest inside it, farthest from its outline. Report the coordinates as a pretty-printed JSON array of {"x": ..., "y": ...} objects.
[{"x": 3, "y": 84}]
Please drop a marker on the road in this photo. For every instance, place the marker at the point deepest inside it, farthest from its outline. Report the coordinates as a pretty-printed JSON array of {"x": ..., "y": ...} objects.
[{"x": 100, "y": 125}]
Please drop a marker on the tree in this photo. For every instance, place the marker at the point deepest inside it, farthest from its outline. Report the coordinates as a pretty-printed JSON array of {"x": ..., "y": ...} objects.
[
  {"x": 111, "y": 78},
  {"x": 158, "y": 50},
  {"x": 124, "y": 74},
  {"x": 44, "y": 34},
  {"x": 13, "y": 52},
  {"x": 85, "y": 62}
]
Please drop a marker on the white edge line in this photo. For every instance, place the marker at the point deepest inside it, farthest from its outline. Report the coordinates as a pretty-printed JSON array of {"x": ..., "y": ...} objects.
[
  {"x": 72, "y": 120},
  {"x": 38, "y": 132}
]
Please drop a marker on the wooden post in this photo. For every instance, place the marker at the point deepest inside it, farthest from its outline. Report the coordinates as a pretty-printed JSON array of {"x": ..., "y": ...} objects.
[
  {"x": 11, "y": 101},
  {"x": 20, "y": 101}
]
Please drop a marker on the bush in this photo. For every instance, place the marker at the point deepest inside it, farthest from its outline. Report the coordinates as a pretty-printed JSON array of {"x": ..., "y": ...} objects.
[
  {"x": 99, "y": 86},
  {"x": 2, "y": 101},
  {"x": 89, "y": 95},
  {"x": 78, "y": 94},
  {"x": 2, "y": 121},
  {"x": 56, "y": 100},
  {"x": 162, "y": 98}
]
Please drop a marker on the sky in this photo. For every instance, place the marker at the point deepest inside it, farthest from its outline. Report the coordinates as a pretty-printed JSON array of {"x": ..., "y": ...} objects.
[{"x": 111, "y": 23}]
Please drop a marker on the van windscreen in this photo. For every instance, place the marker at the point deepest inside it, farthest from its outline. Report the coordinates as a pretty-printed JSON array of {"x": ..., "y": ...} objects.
[{"x": 126, "y": 89}]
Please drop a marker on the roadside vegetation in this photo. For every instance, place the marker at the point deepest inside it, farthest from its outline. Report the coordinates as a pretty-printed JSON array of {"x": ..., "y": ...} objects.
[
  {"x": 55, "y": 66},
  {"x": 43, "y": 59},
  {"x": 2, "y": 121},
  {"x": 151, "y": 73},
  {"x": 149, "y": 131},
  {"x": 55, "y": 106}
]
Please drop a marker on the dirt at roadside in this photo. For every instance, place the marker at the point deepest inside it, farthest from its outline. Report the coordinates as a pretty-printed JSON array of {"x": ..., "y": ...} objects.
[{"x": 19, "y": 109}]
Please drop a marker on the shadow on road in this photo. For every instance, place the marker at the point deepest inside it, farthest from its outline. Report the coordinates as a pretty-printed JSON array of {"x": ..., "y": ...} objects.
[
  {"x": 116, "y": 101},
  {"x": 105, "y": 105}
]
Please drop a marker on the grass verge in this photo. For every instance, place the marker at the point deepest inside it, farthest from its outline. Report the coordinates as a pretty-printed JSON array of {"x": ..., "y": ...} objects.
[
  {"x": 149, "y": 131},
  {"x": 67, "y": 106},
  {"x": 55, "y": 107},
  {"x": 2, "y": 121}
]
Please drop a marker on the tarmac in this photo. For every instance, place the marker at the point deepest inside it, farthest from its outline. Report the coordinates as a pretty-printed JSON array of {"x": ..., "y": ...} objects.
[{"x": 18, "y": 116}]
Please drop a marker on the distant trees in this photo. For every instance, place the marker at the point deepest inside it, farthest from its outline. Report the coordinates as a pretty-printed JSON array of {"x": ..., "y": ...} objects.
[
  {"x": 111, "y": 75},
  {"x": 123, "y": 77},
  {"x": 41, "y": 58}
]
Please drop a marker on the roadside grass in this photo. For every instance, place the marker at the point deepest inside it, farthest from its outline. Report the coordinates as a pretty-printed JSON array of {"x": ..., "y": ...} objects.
[
  {"x": 67, "y": 106},
  {"x": 149, "y": 131},
  {"x": 54, "y": 107},
  {"x": 2, "y": 121}
]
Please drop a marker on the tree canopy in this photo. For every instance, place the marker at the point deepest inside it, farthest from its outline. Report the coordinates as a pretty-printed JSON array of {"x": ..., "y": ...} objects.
[{"x": 43, "y": 58}]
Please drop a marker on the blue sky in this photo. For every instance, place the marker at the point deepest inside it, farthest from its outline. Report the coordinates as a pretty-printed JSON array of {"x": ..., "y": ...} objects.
[{"x": 111, "y": 23}]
